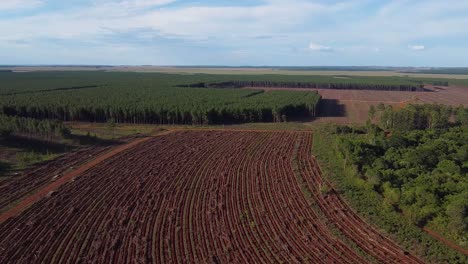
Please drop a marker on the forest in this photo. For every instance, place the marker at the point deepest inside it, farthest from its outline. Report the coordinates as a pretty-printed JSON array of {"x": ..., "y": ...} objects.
[
  {"x": 415, "y": 159},
  {"x": 32, "y": 127},
  {"x": 410, "y": 87},
  {"x": 405, "y": 172},
  {"x": 157, "y": 98},
  {"x": 145, "y": 98}
]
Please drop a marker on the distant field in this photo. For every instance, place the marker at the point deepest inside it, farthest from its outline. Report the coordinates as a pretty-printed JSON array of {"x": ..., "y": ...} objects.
[
  {"x": 157, "y": 98},
  {"x": 151, "y": 98},
  {"x": 463, "y": 75}
]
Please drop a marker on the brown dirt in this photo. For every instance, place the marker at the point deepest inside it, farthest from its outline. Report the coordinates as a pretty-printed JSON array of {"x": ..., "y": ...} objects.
[
  {"x": 46, "y": 190},
  {"x": 194, "y": 196}
]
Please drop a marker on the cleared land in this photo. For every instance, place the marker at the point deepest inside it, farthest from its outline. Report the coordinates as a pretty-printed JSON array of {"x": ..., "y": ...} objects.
[
  {"x": 198, "y": 196},
  {"x": 352, "y": 106}
]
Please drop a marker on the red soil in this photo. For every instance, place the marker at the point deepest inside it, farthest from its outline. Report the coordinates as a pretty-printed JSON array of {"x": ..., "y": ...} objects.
[
  {"x": 193, "y": 197},
  {"x": 357, "y": 102},
  {"x": 16, "y": 187},
  {"x": 51, "y": 187}
]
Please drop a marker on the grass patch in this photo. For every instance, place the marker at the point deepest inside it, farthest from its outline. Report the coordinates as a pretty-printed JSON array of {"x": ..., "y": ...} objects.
[{"x": 102, "y": 131}]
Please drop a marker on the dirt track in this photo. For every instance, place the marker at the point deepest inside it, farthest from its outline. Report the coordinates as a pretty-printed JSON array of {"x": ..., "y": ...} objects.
[{"x": 46, "y": 190}]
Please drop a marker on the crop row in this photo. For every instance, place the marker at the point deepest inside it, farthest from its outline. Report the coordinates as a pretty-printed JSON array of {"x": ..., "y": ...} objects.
[
  {"x": 15, "y": 187},
  {"x": 184, "y": 197}
]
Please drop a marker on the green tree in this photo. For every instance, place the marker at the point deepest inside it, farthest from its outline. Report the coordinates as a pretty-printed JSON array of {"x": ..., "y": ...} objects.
[
  {"x": 457, "y": 211},
  {"x": 372, "y": 112},
  {"x": 111, "y": 125}
]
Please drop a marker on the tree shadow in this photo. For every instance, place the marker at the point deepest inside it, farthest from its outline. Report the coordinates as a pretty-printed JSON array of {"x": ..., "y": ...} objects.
[
  {"x": 5, "y": 167},
  {"x": 35, "y": 145},
  {"x": 92, "y": 140},
  {"x": 331, "y": 108}
]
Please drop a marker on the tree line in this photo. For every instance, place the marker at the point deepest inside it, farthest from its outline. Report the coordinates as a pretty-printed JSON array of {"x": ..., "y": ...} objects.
[
  {"x": 417, "y": 117},
  {"x": 160, "y": 105},
  {"x": 311, "y": 85},
  {"x": 32, "y": 127}
]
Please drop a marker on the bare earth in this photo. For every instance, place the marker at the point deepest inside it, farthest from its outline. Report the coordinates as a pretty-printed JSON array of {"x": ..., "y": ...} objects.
[{"x": 355, "y": 103}]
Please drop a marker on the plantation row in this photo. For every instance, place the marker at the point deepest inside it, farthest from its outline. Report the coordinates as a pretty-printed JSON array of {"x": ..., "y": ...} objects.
[
  {"x": 154, "y": 97},
  {"x": 196, "y": 197},
  {"x": 148, "y": 99},
  {"x": 166, "y": 106},
  {"x": 312, "y": 85},
  {"x": 37, "y": 81}
]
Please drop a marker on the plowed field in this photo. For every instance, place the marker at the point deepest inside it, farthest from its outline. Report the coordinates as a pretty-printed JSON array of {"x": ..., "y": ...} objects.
[{"x": 197, "y": 197}]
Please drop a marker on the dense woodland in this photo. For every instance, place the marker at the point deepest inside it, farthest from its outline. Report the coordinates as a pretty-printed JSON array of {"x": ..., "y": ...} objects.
[
  {"x": 145, "y": 98},
  {"x": 416, "y": 159},
  {"x": 410, "y": 87}
]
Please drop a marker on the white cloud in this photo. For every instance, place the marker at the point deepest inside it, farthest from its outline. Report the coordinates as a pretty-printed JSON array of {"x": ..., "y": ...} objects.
[
  {"x": 131, "y": 4},
  {"x": 199, "y": 22},
  {"x": 19, "y": 4},
  {"x": 318, "y": 47},
  {"x": 145, "y": 3},
  {"x": 355, "y": 27},
  {"x": 416, "y": 47}
]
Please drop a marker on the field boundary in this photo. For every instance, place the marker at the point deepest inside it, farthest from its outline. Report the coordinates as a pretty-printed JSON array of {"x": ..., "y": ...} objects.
[{"x": 239, "y": 130}]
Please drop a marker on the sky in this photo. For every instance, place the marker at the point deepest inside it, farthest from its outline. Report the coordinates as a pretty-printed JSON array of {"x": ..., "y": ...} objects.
[{"x": 235, "y": 33}]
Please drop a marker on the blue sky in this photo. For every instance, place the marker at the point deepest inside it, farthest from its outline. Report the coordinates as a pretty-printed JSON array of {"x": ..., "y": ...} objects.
[{"x": 222, "y": 32}]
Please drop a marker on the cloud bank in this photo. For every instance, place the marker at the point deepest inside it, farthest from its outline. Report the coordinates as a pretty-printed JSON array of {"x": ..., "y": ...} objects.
[
  {"x": 278, "y": 32},
  {"x": 19, "y": 4}
]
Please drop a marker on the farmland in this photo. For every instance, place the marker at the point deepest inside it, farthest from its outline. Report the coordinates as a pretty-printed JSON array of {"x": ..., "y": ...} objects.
[
  {"x": 457, "y": 73},
  {"x": 193, "y": 196},
  {"x": 197, "y": 168}
]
